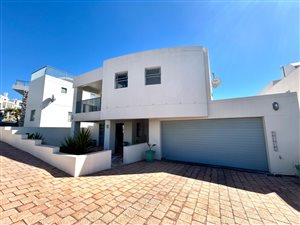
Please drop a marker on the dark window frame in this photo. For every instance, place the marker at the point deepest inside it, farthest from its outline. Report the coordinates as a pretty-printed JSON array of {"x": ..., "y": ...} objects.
[
  {"x": 119, "y": 81},
  {"x": 64, "y": 90},
  {"x": 32, "y": 114},
  {"x": 153, "y": 75}
]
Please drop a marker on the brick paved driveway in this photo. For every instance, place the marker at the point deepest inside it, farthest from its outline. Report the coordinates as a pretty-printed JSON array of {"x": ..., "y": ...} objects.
[{"x": 142, "y": 193}]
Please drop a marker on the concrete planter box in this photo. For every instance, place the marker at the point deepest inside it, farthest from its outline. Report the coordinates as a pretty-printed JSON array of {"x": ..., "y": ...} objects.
[{"x": 74, "y": 165}]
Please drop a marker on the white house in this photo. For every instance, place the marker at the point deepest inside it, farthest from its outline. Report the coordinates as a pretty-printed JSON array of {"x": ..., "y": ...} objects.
[
  {"x": 164, "y": 97},
  {"x": 50, "y": 96},
  {"x": 290, "y": 82}
]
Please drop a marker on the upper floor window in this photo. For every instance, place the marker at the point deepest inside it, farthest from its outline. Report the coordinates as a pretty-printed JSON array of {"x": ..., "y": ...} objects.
[
  {"x": 152, "y": 76},
  {"x": 121, "y": 80},
  {"x": 64, "y": 90},
  {"x": 32, "y": 115}
]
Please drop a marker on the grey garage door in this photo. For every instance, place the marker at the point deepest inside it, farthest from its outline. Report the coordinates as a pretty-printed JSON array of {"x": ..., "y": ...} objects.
[{"x": 236, "y": 143}]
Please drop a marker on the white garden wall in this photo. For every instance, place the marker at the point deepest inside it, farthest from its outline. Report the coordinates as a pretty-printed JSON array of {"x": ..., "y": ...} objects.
[
  {"x": 134, "y": 153},
  {"x": 74, "y": 165},
  {"x": 52, "y": 135}
]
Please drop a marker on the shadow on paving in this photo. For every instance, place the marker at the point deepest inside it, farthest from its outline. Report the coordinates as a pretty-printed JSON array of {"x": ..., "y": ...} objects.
[
  {"x": 288, "y": 188},
  {"x": 15, "y": 154}
]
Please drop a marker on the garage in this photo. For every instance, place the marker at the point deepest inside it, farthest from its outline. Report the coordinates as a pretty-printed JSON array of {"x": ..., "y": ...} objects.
[{"x": 238, "y": 143}]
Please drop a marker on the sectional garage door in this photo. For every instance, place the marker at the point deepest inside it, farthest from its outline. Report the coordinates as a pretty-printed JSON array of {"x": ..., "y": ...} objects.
[{"x": 236, "y": 143}]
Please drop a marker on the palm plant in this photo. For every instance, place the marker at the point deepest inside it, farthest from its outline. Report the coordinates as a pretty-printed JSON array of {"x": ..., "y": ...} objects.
[{"x": 79, "y": 144}]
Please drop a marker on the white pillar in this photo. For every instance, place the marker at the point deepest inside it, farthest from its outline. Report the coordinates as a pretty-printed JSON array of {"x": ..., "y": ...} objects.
[
  {"x": 128, "y": 132},
  {"x": 109, "y": 135},
  {"x": 76, "y": 97},
  {"x": 155, "y": 136}
]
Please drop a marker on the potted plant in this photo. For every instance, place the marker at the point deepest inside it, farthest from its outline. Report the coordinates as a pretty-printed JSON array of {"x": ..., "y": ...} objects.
[
  {"x": 150, "y": 153},
  {"x": 298, "y": 169}
]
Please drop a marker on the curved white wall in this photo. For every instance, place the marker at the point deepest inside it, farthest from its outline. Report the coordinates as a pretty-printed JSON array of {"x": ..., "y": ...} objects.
[{"x": 182, "y": 91}]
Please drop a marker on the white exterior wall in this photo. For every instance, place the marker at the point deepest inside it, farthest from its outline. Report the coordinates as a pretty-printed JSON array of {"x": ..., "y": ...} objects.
[
  {"x": 285, "y": 122},
  {"x": 89, "y": 77},
  {"x": 34, "y": 101},
  {"x": 182, "y": 69},
  {"x": 49, "y": 114},
  {"x": 290, "y": 83},
  {"x": 56, "y": 114}
]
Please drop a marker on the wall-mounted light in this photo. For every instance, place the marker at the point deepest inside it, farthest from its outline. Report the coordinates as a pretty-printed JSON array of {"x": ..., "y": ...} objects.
[
  {"x": 52, "y": 99},
  {"x": 275, "y": 106}
]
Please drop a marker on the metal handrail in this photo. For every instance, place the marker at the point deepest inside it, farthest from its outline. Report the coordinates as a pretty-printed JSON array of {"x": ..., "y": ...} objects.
[{"x": 49, "y": 70}]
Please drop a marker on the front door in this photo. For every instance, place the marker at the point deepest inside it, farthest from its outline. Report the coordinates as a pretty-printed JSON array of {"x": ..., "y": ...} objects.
[
  {"x": 119, "y": 138},
  {"x": 101, "y": 134}
]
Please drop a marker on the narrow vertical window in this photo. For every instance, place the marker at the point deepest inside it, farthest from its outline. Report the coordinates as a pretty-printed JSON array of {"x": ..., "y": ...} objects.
[
  {"x": 69, "y": 116},
  {"x": 138, "y": 130},
  {"x": 32, "y": 115}
]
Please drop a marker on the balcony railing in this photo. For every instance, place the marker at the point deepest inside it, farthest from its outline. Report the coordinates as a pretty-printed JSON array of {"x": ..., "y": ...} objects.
[
  {"x": 49, "y": 70},
  {"x": 22, "y": 83},
  {"x": 88, "y": 105}
]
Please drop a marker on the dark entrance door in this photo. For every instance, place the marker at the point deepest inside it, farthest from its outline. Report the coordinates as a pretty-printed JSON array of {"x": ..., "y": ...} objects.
[
  {"x": 119, "y": 138},
  {"x": 101, "y": 134}
]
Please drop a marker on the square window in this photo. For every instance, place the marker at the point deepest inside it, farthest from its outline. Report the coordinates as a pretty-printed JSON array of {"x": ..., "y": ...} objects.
[
  {"x": 64, "y": 90},
  {"x": 121, "y": 80},
  {"x": 32, "y": 115},
  {"x": 152, "y": 76}
]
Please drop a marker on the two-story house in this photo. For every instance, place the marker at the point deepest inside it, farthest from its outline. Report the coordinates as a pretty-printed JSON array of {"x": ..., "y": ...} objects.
[{"x": 164, "y": 97}]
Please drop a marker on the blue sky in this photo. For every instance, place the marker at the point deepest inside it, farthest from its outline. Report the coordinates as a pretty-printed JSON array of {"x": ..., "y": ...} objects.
[{"x": 247, "y": 41}]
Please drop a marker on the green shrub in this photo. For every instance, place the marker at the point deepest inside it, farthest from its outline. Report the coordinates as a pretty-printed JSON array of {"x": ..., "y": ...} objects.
[
  {"x": 35, "y": 136},
  {"x": 80, "y": 144}
]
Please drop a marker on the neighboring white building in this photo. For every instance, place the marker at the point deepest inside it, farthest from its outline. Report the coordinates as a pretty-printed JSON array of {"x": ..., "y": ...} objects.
[
  {"x": 290, "y": 82},
  {"x": 5, "y": 103},
  {"x": 164, "y": 97},
  {"x": 49, "y": 102}
]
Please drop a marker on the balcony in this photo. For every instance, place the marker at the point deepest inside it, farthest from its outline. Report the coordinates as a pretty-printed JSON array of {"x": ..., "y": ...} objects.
[
  {"x": 21, "y": 86},
  {"x": 88, "y": 105}
]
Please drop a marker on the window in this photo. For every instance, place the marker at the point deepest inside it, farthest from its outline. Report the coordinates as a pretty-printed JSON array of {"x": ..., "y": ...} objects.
[
  {"x": 152, "y": 76},
  {"x": 64, "y": 90},
  {"x": 32, "y": 115},
  {"x": 138, "y": 130},
  {"x": 121, "y": 80},
  {"x": 69, "y": 116}
]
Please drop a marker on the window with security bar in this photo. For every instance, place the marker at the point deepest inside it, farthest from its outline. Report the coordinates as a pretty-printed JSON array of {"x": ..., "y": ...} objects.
[
  {"x": 121, "y": 80},
  {"x": 152, "y": 76}
]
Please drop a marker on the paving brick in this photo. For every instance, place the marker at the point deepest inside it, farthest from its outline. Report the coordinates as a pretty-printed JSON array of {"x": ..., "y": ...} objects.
[
  {"x": 25, "y": 207},
  {"x": 34, "y": 218},
  {"x": 11, "y": 205},
  {"x": 65, "y": 212},
  {"x": 34, "y": 192},
  {"x": 94, "y": 216},
  {"x": 52, "y": 219},
  {"x": 108, "y": 217}
]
